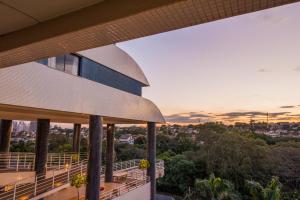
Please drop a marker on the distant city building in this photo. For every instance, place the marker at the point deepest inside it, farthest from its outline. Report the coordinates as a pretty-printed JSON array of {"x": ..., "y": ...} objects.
[
  {"x": 32, "y": 126},
  {"x": 126, "y": 138},
  {"x": 19, "y": 126}
]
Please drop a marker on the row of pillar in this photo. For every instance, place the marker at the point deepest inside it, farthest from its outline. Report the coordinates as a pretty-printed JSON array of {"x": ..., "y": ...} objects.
[
  {"x": 5, "y": 135},
  {"x": 94, "y": 150}
]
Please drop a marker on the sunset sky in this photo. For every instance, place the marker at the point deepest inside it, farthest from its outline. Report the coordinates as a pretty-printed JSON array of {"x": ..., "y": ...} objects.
[{"x": 230, "y": 70}]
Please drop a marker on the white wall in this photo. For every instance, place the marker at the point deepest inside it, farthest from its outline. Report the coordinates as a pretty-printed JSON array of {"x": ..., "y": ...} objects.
[
  {"x": 33, "y": 85},
  {"x": 141, "y": 193}
]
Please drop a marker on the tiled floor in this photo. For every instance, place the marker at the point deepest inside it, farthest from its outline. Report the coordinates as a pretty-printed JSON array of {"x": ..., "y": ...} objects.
[
  {"x": 70, "y": 193},
  {"x": 23, "y": 177}
]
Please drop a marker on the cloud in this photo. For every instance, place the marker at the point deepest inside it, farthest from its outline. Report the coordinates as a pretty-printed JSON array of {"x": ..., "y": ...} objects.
[
  {"x": 263, "y": 70},
  {"x": 272, "y": 17},
  {"x": 251, "y": 114},
  {"x": 241, "y": 114},
  {"x": 287, "y": 106},
  {"x": 295, "y": 115},
  {"x": 285, "y": 118},
  {"x": 199, "y": 117},
  {"x": 297, "y": 68},
  {"x": 191, "y": 117},
  {"x": 278, "y": 114}
]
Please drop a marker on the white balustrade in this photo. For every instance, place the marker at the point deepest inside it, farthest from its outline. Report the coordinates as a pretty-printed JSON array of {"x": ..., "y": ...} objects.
[{"x": 34, "y": 186}]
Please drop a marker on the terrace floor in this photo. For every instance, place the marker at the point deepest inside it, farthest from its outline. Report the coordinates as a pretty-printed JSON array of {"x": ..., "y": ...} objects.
[
  {"x": 55, "y": 184},
  {"x": 24, "y": 176},
  {"x": 70, "y": 193}
]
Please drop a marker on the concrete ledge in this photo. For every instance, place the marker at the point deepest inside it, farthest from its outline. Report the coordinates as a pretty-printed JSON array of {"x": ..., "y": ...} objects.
[
  {"x": 141, "y": 193},
  {"x": 51, "y": 192},
  {"x": 65, "y": 98}
]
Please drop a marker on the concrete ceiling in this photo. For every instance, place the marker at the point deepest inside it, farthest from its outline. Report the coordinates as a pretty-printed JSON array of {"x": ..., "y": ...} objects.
[
  {"x": 35, "y": 29},
  {"x": 19, "y": 14}
]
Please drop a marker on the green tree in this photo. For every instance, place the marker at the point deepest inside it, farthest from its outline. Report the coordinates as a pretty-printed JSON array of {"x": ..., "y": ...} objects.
[
  {"x": 254, "y": 190},
  {"x": 215, "y": 188},
  {"x": 78, "y": 181},
  {"x": 184, "y": 143},
  {"x": 22, "y": 146},
  {"x": 129, "y": 152},
  {"x": 166, "y": 156},
  {"x": 164, "y": 143},
  {"x": 273, "y": 190},
  {"x": 179, "y": 175}
]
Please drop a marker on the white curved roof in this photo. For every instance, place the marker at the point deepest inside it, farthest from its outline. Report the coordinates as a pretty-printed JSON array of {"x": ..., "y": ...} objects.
[
  {"x": 116, "y": 59},
  {"x": 33, "y": 85}
]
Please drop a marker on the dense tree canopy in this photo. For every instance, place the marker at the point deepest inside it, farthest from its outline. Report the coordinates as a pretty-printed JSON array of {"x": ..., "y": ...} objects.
[
  {"x": 233, "y": 155},
  {"x": 240, "y": 158}
]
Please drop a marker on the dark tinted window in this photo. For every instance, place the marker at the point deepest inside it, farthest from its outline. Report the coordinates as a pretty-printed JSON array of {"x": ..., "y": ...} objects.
[
  {"x": 71, "y": 64},
  {"x": 102, "y": 74},
  {"x": 43, "y": 61},
  {"x": 60, "y": 63}
]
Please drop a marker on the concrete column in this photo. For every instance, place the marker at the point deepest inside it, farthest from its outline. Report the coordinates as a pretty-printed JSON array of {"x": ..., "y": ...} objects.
[
  {"x": 41, "y": 145},
  {"x": 5, "y": 135},
  {"x": 94, "y": 162},
  {"x": 76, "y": 138},
  {"x": 151, "y": 134},
  {"x": 109, "y": 153}
]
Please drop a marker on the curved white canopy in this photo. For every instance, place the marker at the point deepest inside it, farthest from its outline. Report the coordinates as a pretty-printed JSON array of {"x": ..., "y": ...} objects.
[
  {"x": 115, "y": 58},
  {"x": 34, "y": 86}
]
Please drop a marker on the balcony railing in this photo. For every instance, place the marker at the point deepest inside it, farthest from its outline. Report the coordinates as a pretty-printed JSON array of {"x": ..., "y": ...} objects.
[
  {"x": 137, "y": 178},
  {"x": 39, "y": 186},
  {"x": 124, "y": 188},
  {"x": 15, "y": 161}
]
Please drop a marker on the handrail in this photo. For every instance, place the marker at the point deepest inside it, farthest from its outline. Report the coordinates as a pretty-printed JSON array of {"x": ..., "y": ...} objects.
[
  {"x": 138, "y": 179},
  {"x": 19, "y": 161},
  {"x": 124, "y": 188},
  {"x": 32, "y": 186},
  {"x": 36, "y": 185}
]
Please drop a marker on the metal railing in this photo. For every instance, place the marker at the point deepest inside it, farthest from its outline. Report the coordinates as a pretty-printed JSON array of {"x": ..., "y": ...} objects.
[
  {"x": 136, "y": 178},
  {"x": 16, "y": 161},
  {"x": 37, "y": 186},
  {"x": 124, "y": 188}
]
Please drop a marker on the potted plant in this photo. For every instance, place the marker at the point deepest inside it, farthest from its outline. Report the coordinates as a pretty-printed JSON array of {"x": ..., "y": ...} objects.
[
  {"x": 77, "y": 181},
  {"x": 143, "y": 165}
]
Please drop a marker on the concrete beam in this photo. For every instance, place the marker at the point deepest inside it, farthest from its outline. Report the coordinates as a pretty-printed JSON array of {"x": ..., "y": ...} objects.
[
  {"x": 5, "y": 135},
  {"x": 56, "y": 36},
  {"x": 119, "y": 21}
]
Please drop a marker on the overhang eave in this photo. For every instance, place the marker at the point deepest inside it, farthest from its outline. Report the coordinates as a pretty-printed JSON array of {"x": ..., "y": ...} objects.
[
  {"x": 33, "y": 91},
  {"x": 12, "y": 112},
  {"x": 119, "y": 21}
]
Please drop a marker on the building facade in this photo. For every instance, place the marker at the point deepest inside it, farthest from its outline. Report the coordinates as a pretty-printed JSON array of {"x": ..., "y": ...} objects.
[{"x": 96, "y": 87}]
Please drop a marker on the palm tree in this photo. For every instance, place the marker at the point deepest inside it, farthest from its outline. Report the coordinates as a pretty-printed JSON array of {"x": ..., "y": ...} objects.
[
  {"x": 215, "y": 189},
  {"x": 254, "y": 189},
  {"x": 271, "y": 192}
]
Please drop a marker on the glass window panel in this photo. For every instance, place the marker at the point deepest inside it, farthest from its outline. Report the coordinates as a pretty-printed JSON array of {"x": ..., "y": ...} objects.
[
  {"x": 71, "y": 64},
  {"x": 52, "y": 62},
  {"x": 43, "y": 61},
  {"x": 60, "y": 63}
]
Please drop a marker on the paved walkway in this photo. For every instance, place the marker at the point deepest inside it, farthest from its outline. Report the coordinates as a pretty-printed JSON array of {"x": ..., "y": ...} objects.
[
  {"x": 70, "y": 193},
  {"x": 24, "y": 177}
]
